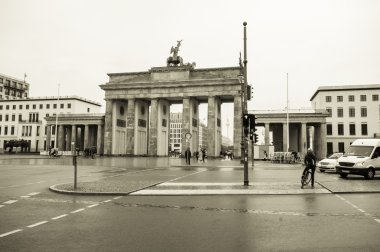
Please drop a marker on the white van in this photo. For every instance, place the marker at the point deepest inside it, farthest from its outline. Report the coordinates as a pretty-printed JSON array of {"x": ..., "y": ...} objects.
[{"x": 361, "y": 158}]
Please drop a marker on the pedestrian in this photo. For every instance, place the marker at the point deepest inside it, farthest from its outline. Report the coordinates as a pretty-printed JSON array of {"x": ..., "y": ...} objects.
[
  {"x": 310, "y": 163},
  {"x": 197, "y": 155},
  {"x": 203, "y": 154},
  {"x": 265, "y": 155},
  {"x": 188, "y": 155}
]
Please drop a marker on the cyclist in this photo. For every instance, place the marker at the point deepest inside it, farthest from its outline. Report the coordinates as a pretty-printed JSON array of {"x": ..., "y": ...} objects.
[{"x": 310, "y": 163}]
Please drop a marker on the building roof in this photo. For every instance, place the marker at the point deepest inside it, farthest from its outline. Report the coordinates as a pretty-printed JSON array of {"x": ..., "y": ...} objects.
[
  {"x": 345, "y": 88},
  {"x": 53, "y": 98}
]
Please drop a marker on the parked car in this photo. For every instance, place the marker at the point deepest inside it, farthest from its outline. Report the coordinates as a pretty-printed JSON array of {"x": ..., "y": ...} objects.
[
  {"x": 361, "y": 158},
  {"x": 328, "y": 164}
]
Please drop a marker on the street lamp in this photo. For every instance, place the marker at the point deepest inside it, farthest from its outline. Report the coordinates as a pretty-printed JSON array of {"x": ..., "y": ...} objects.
[{"x": 244, "y": 83}]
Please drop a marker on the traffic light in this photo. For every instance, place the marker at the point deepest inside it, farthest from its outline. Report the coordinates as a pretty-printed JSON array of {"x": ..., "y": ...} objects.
[
  {"x": 255, "y": 137},
  {"x": 246, "y": 120},
  {"x": 249, "y": 92}
]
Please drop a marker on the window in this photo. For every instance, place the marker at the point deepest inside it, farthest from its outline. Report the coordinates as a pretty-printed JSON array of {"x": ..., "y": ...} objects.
[
  {"x": 340, "y": 129},
  {"x": 47, "y": 115},
  {"x": 375, "y": 97},
  {"x": 340, "y": 147},
  {"x": 1, "y": 118},
  {"x": 6, "y": 130},
  {"x": 329, "y": 148},
  {"x": 14, "y": 107},
  {"x": 352, "y": 129},
  {"x": 41, "y": 106},
  {"x": 340, "y": 112},
  {"x": 351, "y": 98},
  {"x": 328, "y": 98},
  {"x": 351, "y": 112},
  {"x": 48, "y": 106},
  {"x": 363, "y": 98},
  {"x": 34, "y": 106},
  {"x": 0, "y": 130},
  {"x": 13, "y": 117},
  {"x": 1, "y": 107},
  {"x": 68, "y": 105},
  {"x": 6, "y": 118},
  {"x": 363, "y": 111},
  {"x": 88, "y": 110},
  {"x": 19, "y": 117},
  {"x": 12, "y": 130},
  {"x": 339, "y": 98},
  {"x": 38, "y": 131},
  {"x": 329, "y": 112},
  {"x": 7, "y": 107},
  {"x": 27, "y": 106},
  {"x": 19, "y": 106},
  {"x": 364, "y": 129},
  {"x": 54, "y": 106},
  {"x": 62, "y": 105},
  {"x": 329, "y": 129}
]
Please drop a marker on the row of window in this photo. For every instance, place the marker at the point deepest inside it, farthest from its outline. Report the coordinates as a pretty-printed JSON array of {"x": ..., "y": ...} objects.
[
  {"x": 33, "y": 117},
  {"x": 12, "y": 130},
  {"x": 351, "y": 112},
  {"x": 351, "y": 98},
  {"x": 34, "y": 106},
  {"x": 352, "y": 129},
  {"x": 13, "y": 84},
  {"x": 26, "y": 130}
]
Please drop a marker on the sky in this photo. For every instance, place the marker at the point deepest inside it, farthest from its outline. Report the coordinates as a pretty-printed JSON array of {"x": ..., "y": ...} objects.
[{"x": 75, "y": 43}]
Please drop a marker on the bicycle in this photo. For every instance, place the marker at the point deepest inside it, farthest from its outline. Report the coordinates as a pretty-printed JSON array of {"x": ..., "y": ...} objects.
[{"x": 306, "y": 177}]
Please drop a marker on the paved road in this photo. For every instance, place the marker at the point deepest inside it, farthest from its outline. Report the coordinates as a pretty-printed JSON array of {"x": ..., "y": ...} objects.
[{"x": 32, "y": 218}]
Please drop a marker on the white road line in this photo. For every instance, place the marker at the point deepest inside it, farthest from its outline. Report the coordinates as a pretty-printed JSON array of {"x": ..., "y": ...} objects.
[
  {"x": 1, "y": 206},
  {"x": 12, "y": 232},
  {"x": 106, "y": 201},
  {"x": 377, "y": 220},
  {"x": 185, "y": 176},
  {"x": 361, "y": 210},
  {"x": 59, "y": 217},
  {"x": 37, "y": 224},
  {"x": 118, "y": 197},
  {"x": 10, "y": 202},
  {"x": 33, "y": 193},
  {"x": 76, "y": 211},
  {"x": 27, "y": 196},
  {"x": 93, "y": 205}
]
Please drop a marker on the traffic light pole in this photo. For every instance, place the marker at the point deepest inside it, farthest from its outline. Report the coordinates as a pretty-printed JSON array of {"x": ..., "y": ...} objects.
[{"x": 245, "y": 140}]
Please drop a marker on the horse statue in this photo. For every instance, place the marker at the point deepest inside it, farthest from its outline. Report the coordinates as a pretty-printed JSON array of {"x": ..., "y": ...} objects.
[{"x": 175, "y": 59}]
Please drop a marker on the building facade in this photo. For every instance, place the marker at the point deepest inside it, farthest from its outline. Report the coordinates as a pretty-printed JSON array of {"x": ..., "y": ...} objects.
[
  {"x": 12, "y": 88},
  {"x": 175, "y": 132},
  {"x": 353, "y": 113},
  {"x": 26, "y": 118}
]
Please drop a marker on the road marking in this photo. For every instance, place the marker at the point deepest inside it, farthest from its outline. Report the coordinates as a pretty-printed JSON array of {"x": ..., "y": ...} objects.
[
  {"x": 27, "y": 196},
  {"x": 76, "y": 211},
  {"x": 118, "y": 197},
  {"x": 184, "y": 176},
  {"x": 10, "y": 202},
  {"x": 377, "y": 220},
  {"x": 106, "y": 201},
  {"x": 94, "y": 205},
  {"x": 59, "y": 217},
  {"x": 1, "y": 206},
  {"x": 9, "y": 233},
  {"x": 33, "y": 193},
  {"x": 37, "y": 224}
]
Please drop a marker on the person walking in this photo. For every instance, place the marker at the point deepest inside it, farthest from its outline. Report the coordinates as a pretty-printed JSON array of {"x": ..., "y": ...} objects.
[
  {"x": 310, "y": 162},
  {"x": 203, "y": 154},
  {"x": 188, "y": 155}
]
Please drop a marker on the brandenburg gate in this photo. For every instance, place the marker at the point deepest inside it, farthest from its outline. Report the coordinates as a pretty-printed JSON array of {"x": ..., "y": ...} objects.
[{"x": 137, "y": 116}]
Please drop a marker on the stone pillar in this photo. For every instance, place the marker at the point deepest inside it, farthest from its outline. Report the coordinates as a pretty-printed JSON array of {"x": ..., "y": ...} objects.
[
  {"x": 68, "y": 138},
  {"x": 285, "y": 137},
  {"x": 237, "y": 126},
  {"x": 86, "y": 136},
  {"x": 323, "y": 140},
  {"x": 74, "y": 135},
  {"x": 303, "y": 147},
  {"x": 185, "y": 123},
  {"x": 131, "y": 127},
  {"x": 48, "y": 137},
  {"x": 153, "y": 123},
  {"x": 213, "y": 125},
  {"x": 99, "y": 140},
  {"x": 108, "y": 128},
  {"x": 61, "y": 137},
  {"x": 266, "y": 134}
]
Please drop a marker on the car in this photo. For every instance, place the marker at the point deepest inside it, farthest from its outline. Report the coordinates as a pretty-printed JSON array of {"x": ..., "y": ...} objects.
[
  {"x": 361, "y": 158},
  {"x": 328, "y": 164}
]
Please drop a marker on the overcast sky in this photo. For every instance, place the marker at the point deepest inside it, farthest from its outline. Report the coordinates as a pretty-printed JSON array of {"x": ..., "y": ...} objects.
[{"x": 76, "y": 43}]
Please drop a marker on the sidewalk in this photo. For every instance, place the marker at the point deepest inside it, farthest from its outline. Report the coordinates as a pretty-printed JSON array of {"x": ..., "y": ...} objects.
[{"x": 216, "y": 177}]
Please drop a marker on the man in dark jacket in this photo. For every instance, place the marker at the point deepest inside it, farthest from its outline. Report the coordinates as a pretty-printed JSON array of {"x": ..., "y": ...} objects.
[
  {"x": 310, "y": 163},
  {"x": 188, "y": 155}
]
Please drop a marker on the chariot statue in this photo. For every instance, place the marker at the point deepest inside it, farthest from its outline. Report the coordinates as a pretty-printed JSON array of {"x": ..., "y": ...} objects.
[{"x": 175, "y": 59}]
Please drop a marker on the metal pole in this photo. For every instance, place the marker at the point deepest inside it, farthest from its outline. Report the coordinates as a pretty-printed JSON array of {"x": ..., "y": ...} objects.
[
  {"x": 56, "y": 121},
  {"x": 246, "y": 180},
  {"x": 287, "y": 113}
]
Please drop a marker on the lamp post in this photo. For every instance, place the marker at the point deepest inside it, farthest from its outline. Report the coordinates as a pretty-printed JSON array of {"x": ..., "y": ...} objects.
[{"x": 244, "y": 109}]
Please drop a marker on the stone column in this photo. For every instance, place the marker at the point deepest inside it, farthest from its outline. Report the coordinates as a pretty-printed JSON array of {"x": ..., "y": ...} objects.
[
  {"x": 131, "y": 127},
  {"x": 153, "y": 134},
  {"x": 48, "y": 137},
  {"x": 185, "y": 123},
  {"x": 74, "y": 135},
  {"x": 61, "y": 137},
  {"x": 99, "y": 140},
  {"x": 267, "y": 134},
  {"x": 285, "y": 137},
  {"x": 237, "y": 126},
  {"x": 86, "y": 136},
  {"x": 212, "y": 126},
  {"x": 303, "y": 140},
  {"x": 108, "y": 128},
  {"x": 68, "y": 138},
  {"x": 323, "y": 144}
]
